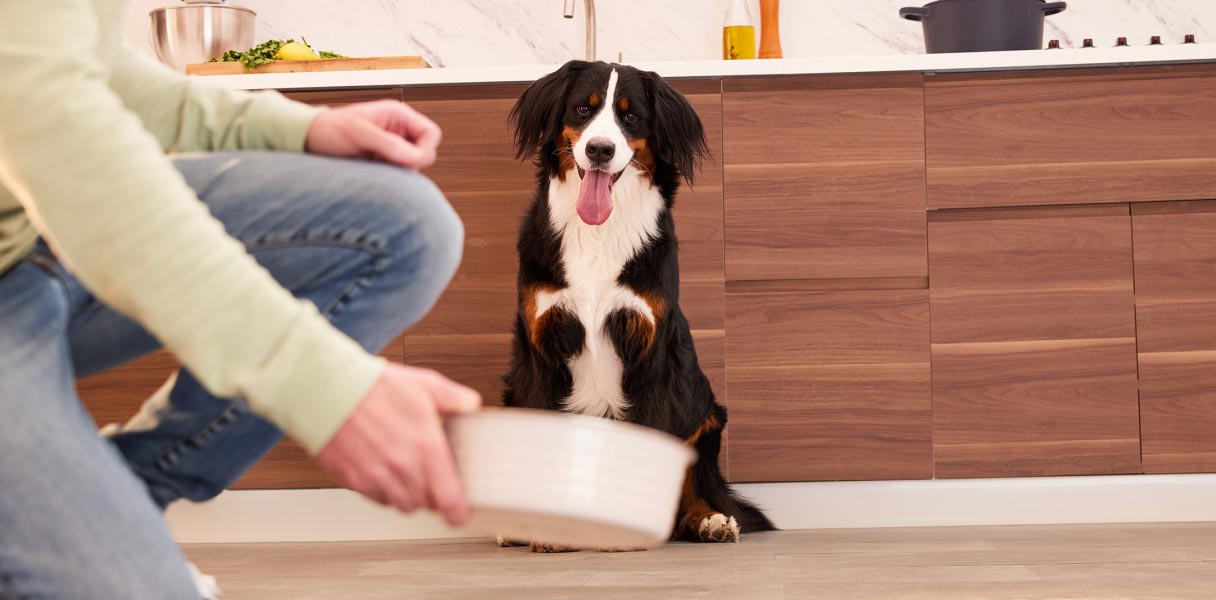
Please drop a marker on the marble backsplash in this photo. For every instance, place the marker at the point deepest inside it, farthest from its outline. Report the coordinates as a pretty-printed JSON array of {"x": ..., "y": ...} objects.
[{"x": 512, "y": 32}]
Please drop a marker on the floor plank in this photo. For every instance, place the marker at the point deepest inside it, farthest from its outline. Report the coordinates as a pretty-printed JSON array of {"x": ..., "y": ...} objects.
[{"x": 1142, "y": 561}]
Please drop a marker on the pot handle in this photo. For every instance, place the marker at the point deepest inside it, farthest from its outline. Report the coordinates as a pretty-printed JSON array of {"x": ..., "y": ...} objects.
[
  {"x": 1052, "y": 8},
  {"x": 916, "y": 13}
]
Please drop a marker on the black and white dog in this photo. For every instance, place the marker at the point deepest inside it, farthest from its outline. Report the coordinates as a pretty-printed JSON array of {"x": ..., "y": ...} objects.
[{"x": 599, "y": 329}]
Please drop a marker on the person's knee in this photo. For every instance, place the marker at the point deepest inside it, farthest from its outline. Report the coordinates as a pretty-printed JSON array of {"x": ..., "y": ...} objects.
[{"x": 425, "y": 237}]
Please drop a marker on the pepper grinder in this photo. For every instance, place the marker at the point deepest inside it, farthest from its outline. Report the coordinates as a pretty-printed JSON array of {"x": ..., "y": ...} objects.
[{"x": 770, "y": 29}]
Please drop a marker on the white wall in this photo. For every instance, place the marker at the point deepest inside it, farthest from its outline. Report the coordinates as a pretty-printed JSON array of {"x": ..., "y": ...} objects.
[{"x": 506, "y": 32}]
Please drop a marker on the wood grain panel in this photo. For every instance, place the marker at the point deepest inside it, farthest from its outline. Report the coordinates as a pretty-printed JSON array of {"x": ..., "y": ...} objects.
[
  {"x": 825, "y": 221},
  {"x": 1038, "y": 408},
  {"x": 1034, "y": 369},
  {"x": 829, "y": 385},
  {"x": 824, "y": 178},
  {"x": 699, "y": 223},
  {"x": 824, "y": 119},
  {"x": 1175, "y": 254},
  {"x": 1049, "y": 273},
  {"x": 1082, "y": 137},
  {"x": 822, "y": 285},
  {"x": 477, "y": 154},
  {"x": 116, "y": 395},
  {"x": 797, "y": 329},
  {"x": 1178, "y": 411},
  {"x": 340, "y": 97}
]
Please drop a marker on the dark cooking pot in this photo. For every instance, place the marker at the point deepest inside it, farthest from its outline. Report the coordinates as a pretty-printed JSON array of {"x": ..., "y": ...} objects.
[{"x": 982, "y": 25}]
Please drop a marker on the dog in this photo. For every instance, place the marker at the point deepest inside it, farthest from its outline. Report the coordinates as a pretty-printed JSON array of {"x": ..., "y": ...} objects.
[{"x": 599, "y": 330}]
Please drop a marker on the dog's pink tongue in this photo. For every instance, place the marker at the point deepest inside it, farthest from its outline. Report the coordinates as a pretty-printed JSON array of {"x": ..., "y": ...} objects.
[{"x": 595, "y": 197}]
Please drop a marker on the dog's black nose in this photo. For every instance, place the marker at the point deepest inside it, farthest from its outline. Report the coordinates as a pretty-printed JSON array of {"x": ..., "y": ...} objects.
[{"x": 600, "y": 150}]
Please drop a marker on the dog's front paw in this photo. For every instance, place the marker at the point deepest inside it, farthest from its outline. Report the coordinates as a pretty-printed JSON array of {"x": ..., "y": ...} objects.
[
  {"x": 558, "y": 335},
  {"x": 542, "y": 548},
  {"x": 718, "y": 528},
  {"x": 508, "y": 543},
  {"x": 625, "y": 549}
]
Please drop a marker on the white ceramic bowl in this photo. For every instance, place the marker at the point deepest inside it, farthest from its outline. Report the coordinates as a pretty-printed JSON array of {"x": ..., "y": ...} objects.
[{"x": 571, "y": 480}]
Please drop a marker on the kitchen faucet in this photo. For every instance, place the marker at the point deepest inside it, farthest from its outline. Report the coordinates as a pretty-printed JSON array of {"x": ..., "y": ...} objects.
[{"x": 589, "y": 8}]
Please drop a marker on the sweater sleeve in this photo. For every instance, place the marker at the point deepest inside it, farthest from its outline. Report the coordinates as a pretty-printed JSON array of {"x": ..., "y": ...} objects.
[
  {"x": 97, "y": 186},
  {"x": 193, "y": 114}
]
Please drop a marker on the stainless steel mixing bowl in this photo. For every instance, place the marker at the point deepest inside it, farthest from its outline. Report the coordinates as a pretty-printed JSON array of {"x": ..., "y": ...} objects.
[{"x": 196, "y": 32}]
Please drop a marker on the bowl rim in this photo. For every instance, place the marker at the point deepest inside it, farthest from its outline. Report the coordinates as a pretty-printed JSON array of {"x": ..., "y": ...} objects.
[
  {"x": 202, "y": 6},
  {"x": 585, "y": 421}
]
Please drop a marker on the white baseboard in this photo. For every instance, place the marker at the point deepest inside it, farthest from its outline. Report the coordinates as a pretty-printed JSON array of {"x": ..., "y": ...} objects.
[{"x": 340, "y": 515}]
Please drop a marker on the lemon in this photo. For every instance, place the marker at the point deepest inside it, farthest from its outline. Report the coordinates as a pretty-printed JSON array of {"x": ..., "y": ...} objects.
[{"x": 296, "y": 51}]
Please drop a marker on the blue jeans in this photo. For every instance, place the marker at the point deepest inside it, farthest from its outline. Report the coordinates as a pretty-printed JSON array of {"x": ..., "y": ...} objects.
[{"x": 372, "y": 246}]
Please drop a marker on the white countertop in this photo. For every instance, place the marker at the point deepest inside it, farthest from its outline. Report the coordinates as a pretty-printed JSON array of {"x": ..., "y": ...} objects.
[{"x": 973, "y": 61}]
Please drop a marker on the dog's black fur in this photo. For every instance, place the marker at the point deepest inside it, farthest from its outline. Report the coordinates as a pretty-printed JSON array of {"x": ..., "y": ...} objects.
[{"x": 665, "y": 386}]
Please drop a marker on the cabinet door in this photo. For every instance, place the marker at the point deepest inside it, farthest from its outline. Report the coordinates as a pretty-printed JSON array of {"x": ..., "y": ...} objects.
[
  {"x": 1034, "y": 350},
  {"x": 1081, "y": 136},
  {"x": 1175, "y": 252},
  {"x": 825, "y": 177},
  {"x": 828, "y": 385}
]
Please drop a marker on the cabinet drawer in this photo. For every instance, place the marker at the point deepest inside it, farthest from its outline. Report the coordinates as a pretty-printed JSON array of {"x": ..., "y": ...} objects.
[
  {"x": 1175, "y": 253},
  {"x": 1071, "y": 137},
  {"x": 828, "y": 385},
  {"x": 824, "y": 177}
]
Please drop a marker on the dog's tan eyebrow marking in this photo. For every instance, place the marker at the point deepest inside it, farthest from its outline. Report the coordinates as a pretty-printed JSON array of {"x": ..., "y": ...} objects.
[
  {"x": 594, "y": 100},
  {"x": 623, "y": 103}
]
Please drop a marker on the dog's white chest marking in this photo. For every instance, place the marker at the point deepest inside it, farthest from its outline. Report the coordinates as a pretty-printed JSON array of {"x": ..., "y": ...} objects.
[{"x": 593, "y": 258}]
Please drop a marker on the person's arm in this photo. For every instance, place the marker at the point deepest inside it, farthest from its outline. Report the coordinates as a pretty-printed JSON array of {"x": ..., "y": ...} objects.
[
  {"x": 98, "y": 187},
  {"x": 191, "y": 113},
  {"x": 188, "y": 114}
]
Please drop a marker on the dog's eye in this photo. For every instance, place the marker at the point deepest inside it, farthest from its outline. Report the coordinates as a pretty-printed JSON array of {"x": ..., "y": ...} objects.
[
  {"x": 631, "y": 117},
  {"x": 583, "y": 109}
]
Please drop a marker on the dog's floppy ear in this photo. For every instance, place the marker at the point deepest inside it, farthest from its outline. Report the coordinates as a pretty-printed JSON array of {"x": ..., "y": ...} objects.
[
  {"x": 678, "y": 137},
  {"x": 537, "y": 115}
]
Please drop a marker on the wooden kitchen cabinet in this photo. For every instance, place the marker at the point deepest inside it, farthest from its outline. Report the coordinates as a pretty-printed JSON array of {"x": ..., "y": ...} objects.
[
  {"x": 1034, "y": 347},
  {"x": 1175, "y": 258},
  {"x": 1071, "y": 137},
  {"x": 825, "y": 177},
  {"x": 829, "y": 385}
]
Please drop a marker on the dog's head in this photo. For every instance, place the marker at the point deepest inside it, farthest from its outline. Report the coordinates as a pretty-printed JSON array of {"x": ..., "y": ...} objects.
[{"x": 601, "y": 120}]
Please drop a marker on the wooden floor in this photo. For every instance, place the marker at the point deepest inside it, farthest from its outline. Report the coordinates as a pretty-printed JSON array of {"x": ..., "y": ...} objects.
[{"x": 1143, "y": 562}]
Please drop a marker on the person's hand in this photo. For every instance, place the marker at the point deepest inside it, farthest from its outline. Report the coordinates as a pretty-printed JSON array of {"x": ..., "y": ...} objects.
[
  {"x": 392, "y": 449},
  {"x": 384, "y": 130}
]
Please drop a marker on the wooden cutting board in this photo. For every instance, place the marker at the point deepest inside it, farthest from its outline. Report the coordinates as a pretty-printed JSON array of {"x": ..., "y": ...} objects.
[{"x": 311, "y": 66}]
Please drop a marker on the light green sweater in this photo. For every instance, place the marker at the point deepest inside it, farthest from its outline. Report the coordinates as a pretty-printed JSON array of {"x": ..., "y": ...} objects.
[{"x": 84, "y": 126}]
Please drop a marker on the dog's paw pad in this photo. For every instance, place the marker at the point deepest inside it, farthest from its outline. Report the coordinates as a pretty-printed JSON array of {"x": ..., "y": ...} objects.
[
  {"x": 625, "y": 549},
  {"x": 504, "y": 542},
  {"x": 719, "y": 528},
  {"x": 550, "y": 548}
]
